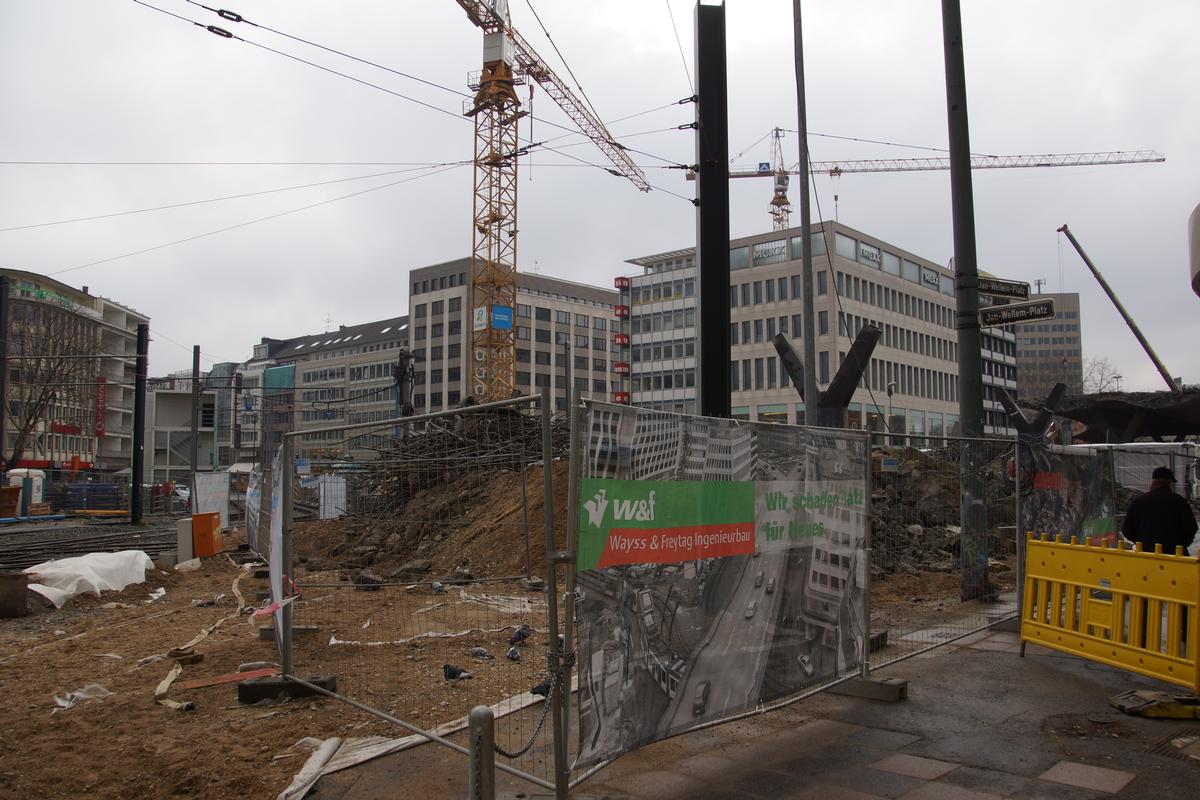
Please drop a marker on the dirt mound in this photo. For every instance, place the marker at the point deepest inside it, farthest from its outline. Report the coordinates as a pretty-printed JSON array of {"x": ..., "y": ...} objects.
[{"x": 479, "y": 524}]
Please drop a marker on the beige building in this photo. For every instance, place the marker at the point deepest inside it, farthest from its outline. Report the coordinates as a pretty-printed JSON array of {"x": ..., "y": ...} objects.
[
  {"x": 550, "y": 313},
  {"x": 88, "y": 421},
  {"x": 1049, "y": 351},
  {"x": 912, "y": 378}
]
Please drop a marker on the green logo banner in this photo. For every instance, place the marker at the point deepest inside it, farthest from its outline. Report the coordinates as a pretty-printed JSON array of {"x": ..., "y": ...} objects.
[{"x": 662, "y": 522}]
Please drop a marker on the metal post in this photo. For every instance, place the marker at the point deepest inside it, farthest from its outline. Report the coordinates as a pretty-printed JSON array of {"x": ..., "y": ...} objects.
[
  {"x": 138, "y": 467},
  {"x": 807, "y": 318},
  {"x": 973, "y": 555},
  {"x": 4, "y": 334},
  {"x": 569, "y": 556},
  {"x": 712, "y": 213},
  {"x": 554, "y": 657},
  {"x": 1162, "y": 370},
  {"x": 1019, "y": 528},
  {"x": 481, "y": 779},
  {"x": 868, "y": 543},
  {"x": 285, "y": 506},
  {"x": 195, "y": 448}
]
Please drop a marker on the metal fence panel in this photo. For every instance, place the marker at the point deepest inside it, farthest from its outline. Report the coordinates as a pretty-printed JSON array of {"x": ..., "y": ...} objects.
[
  {"x": 919, "y": 596},
  {"x": 434, "y": 564},
  {"x": 722, "y": 569}
]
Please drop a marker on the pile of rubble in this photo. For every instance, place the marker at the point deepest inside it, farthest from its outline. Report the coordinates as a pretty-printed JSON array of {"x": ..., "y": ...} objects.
[{"x": 916, "y": 517}]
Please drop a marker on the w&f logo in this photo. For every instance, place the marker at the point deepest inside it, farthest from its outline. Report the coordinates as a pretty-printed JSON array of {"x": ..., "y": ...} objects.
[{"x": 640, "y": 510}]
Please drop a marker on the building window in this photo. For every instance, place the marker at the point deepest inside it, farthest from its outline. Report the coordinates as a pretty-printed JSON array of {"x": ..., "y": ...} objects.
[
  {"x": 420, "y": 311},
  {"x": 822, "y": 323},
  {"x": 455, "y": 304},
  {"x": 562, "y": 317},
  {"x": 581, "y": 320},
  {"x": 542, "y": 335},
  {"x": 739, "y": 257},
  {"x": 541, "y": 358},
  {"x": 746, "y": 379},
  {"x": 823, "y": 366},
  {"x": 770, "y": 291},
  {"x": 436, "y": 330},
  {"x": 758, "y": 330},
  {"x": 822, "y": 282},
  {"x": 795, "y": 281},
  {"x": 523, "y": 332},
  {"x": 845, "y": 246},
  {"x": 598, "y": 324},
  {"x": 597, "y": 344},
  {"x": 522, "y": 355},
  {"x": 758, "y": 294},
  {"x": 733, "y": 376},
  {"x": 455, "y": 327},
  {"x": 581, "y": 340},
  {"x": 733, "y": 291},
  {"x": 522, "y": 378},
  {"x": 770, "y": 252},
  {"x": 523, "y": 310},
  {"x": 733, "y": 337},
  {"x": 437, "y": 307},
  {"x": 420, "y": 334},
  {"x": 758, "y": 373},
  {"x": 541, "y": 380},
  {"x": 541, "y": 314}
]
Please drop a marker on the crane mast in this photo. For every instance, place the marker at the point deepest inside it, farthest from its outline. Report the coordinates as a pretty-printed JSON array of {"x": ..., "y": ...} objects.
[{"x": 509, "y": 61}]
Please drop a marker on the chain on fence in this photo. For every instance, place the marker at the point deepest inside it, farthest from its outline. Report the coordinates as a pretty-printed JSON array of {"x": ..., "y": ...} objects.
[
  {"x": 932, "y": 584},
  {"x": 421, "y": 566}
]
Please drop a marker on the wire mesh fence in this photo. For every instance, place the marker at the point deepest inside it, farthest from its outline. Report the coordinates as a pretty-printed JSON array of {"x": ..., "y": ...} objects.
[
  {"x": 421, "y": 569},
  {"x": 932, "y": 581}
]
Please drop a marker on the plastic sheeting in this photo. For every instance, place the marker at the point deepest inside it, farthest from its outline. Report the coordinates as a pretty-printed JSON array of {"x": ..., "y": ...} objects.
[{"x": 59, "y": 581}]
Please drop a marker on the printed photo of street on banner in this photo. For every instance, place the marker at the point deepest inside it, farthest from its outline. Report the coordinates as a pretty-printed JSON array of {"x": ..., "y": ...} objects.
[{"x": 721, "y": 567}]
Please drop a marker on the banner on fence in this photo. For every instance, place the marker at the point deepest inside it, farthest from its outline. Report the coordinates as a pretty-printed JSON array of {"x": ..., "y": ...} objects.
[
  {"x": 1067, "y": 492},
  {"x": 212, "y": 495},
  {"x": 253, "y": 507},
  {"x": 332, "y": 496},
  {"x": 721, "y": 566}
]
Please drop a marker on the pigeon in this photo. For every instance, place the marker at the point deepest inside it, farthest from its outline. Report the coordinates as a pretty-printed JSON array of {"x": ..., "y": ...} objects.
[
  {"x": 513, "y": 654},
  {"x": 454, "y": 674},
  {"x": 437, "y": 587},
  {"x": 542, "y": 688},
  {"x": 479, "y": 652},
  {"x": 522, "y": 633}
]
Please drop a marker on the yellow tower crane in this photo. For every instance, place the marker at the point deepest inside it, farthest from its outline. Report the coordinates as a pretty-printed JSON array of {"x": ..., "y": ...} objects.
[
  {"x": 509, "y": 61},
  {"x": 780, "y": 206}
]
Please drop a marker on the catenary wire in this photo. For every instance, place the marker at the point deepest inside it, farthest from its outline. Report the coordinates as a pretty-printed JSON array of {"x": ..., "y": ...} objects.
[
  {"x": 228, "y": 197},
  {"x": 250, "y": 222},
  {"x": 232, "y": 17},
  {"x": 679, "y": 44}
]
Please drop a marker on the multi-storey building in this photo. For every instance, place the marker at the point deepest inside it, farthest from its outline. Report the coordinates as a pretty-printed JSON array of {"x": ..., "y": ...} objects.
[
  {"x": 167, "y": 456},
  {"x": 71, "y": 376},
  {"x": 1049, "y": 351},
  {"x": 911, "y": 380},
  {"x": 563, "y": 336},
  {"x": 346, "y": 376}
]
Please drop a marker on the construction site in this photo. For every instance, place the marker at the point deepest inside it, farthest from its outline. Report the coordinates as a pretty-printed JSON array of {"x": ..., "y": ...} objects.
[{"x": 794, "y": 513}]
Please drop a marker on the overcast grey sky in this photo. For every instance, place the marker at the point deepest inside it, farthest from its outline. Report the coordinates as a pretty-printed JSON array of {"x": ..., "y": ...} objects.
[{"x": 111, "y": 80}]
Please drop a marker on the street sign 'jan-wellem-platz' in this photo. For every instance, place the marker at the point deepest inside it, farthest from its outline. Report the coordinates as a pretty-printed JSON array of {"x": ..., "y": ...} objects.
[
  {"x": 1016, "y": 312},
  {"x": 1017, "y": 290}
]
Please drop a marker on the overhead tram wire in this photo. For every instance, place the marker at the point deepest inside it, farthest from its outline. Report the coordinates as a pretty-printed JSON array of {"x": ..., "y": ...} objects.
[
  {"x": 679, "y": 43},
  {"x": 561, "y": 58},
  {"x": 250, "y": 222},
  {"x": 234, "y": 17},
  {"x": 230, "y": 197},
  {"x": 227, "y": 35},
  {"x": 231, "y": 16}
]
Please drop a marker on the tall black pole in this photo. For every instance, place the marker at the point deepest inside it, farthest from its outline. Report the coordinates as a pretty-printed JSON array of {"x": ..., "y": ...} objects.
[
  {"x": 195, "y": 449},
  {"x": 808, "y": 317},
  {"x": 712, "y": 213},
  {"x": 4, "y": 465},
  {"x": 973, "y": 552},
  {"x": 137, "y": 468}
]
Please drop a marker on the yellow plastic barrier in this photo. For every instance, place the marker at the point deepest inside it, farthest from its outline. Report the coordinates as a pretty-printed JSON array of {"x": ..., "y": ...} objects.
[{"x": 1115, "y": 605}]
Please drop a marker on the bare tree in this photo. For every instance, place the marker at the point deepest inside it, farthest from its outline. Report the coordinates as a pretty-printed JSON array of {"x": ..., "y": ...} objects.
[
  {"x": 53, "y": 376},
  {"x": 1100, "y": 375}
]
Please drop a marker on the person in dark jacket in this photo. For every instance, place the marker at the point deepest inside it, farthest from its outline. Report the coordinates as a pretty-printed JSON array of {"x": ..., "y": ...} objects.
[{"x": 1160, "y": 516}]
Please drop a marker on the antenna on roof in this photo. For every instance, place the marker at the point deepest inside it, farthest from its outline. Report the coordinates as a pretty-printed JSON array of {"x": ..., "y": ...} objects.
[
  {"x": 328, "y": 321},
  {"x": 1039, "y": 283}
]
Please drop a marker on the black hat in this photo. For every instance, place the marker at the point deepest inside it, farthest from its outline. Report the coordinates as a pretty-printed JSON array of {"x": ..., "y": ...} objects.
[{"x": 1162, "y": 474}]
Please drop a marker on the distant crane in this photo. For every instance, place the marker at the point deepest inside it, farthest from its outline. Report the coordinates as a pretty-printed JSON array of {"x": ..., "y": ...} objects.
[
  {"x": 509, "y": 61},
  {"x": 780, "y": 207}
]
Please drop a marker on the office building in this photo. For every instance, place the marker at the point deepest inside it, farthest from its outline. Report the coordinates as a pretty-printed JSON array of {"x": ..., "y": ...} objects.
[
  {"x": 911, "y": 380},
  {"x": 347, "y": 376},
  {"x": 168, "y": 453},
  {"x": 1049, "y": 351},
  {"x": 563, "y": 336},
  {"x": 69, "y": 411}
]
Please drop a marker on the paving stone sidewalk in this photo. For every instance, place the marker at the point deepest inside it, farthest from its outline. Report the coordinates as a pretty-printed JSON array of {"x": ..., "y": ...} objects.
[{"x": 979, "y": 723}]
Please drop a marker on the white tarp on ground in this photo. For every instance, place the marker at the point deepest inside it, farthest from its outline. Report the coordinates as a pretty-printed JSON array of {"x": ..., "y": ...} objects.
[
  {"x": 59, "y": 581},
  {"x": 212, "y": 494},
  {"x": 333, "y": 496}
]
